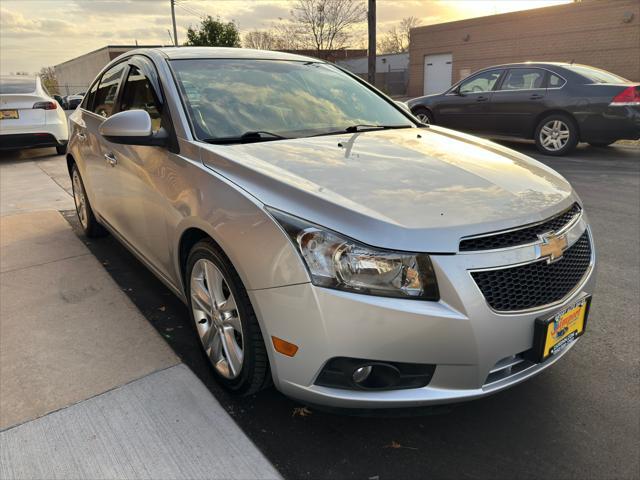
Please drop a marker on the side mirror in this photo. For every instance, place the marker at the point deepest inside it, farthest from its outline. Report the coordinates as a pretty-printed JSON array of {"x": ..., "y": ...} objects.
[
  {"x": 403, "y": 106},
  {"x": 132, "y": 127}
]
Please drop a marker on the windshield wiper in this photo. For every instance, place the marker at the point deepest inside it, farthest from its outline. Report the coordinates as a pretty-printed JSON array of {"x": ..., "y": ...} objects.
[
  {"x": 365, "y": 127},
  {"x": 247, "y": 137},
  {"x": 361, "y": 128}
]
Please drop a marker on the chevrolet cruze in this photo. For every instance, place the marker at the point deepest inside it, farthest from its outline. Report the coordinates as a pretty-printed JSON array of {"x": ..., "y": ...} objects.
[{"x": 323, "y": 238}]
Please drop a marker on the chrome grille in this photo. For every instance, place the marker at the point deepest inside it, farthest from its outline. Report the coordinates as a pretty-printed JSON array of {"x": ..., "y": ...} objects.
[
  {"x": 535, "y": 284},
  {"x": 520, "y": 236}
]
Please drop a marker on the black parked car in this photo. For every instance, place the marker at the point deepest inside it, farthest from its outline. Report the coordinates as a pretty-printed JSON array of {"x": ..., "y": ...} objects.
[{"x": 556, "y": 104}]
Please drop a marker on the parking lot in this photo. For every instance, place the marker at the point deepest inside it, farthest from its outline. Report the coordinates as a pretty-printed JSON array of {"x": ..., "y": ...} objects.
[{"x": 580, "y": 419}]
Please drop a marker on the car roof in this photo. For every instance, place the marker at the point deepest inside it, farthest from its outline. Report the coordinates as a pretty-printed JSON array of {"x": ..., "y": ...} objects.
[
  {"x": 180, "y": 53},
  {"x": 530, "y": 64}
]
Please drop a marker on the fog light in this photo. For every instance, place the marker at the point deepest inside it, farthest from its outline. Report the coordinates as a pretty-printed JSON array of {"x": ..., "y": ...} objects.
[{"x": 362, "y": 373}]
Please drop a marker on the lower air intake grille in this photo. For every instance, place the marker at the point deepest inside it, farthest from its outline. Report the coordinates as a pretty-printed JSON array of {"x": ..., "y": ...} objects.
[{"x": 535, "y": 284}]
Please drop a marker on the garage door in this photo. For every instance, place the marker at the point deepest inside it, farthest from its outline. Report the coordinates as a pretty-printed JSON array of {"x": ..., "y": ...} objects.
[{"x": 437, "y": 73}]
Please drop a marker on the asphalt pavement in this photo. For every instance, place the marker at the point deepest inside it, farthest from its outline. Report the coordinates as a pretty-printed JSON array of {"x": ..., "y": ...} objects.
[{"x": 579, "y": 419}]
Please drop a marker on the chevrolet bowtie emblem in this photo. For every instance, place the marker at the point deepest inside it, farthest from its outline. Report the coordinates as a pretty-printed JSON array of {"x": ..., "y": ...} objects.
[{"x": 553, "y": 246}]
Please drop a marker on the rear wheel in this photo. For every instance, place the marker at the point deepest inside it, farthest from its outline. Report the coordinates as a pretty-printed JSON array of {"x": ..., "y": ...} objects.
[
  {"x": 424, "y": 115},
  {"x": 556, "y": 135},
  {"x": 225, "y": 321},
  {"x": 88, "y": 222}
]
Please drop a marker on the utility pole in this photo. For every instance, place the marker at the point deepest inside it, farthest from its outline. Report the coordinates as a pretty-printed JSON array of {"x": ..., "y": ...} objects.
[
  {"x": 173, "y": 18},
  {"x": 371, "y": 21}
]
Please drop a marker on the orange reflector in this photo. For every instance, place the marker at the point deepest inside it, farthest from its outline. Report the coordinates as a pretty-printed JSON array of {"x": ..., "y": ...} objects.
[{"x": 284, "y": 347}]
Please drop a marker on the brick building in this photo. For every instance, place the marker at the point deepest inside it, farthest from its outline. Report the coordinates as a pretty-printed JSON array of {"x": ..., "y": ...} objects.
[{"x": 604, "y": 34}]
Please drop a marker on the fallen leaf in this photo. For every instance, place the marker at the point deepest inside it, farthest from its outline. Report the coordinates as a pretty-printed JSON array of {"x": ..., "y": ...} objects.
[
  {"x": 397, "y": 445},
  {"x": 301, "y": 412}
]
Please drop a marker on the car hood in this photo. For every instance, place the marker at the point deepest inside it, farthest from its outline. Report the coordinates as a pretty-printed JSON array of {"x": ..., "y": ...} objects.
[
  {"x": 408, "y": 189},
  {"x": 423, "y": 100}
]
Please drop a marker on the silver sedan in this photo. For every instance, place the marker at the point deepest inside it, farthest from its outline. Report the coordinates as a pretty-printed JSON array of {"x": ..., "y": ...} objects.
[{"x": 323, "y": 238}]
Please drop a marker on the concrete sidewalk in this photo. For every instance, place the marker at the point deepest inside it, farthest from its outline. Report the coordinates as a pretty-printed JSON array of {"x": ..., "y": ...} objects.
[{"x": 88, "y": 389}]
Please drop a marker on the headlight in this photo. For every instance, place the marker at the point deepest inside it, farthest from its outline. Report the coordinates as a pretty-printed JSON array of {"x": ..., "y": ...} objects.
[{"x": 338, "y": 262}]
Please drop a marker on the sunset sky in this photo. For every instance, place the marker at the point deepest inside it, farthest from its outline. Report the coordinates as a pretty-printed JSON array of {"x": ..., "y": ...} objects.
[{"x": 37, "y": 33}]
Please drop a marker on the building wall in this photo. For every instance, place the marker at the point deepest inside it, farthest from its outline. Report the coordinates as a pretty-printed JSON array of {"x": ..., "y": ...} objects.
[
  {"x": 591, "y": 32},
  {"x": 76, "y": 75},
  {"x": 384, "y": 63}
]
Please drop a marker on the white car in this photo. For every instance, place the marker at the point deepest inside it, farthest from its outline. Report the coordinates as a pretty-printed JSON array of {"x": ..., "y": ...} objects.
[{"x": 29, "y": 116}]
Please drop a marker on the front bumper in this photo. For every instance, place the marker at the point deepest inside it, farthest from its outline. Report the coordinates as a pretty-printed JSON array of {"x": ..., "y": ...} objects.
[{"x": 460, "y": 334}]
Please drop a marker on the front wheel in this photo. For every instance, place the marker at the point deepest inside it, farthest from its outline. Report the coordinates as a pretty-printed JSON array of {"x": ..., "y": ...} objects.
[
  {"x": 225, "y": 321},
  {"x": 556, "y": 135},
  {"x": 424, "y": 115}
]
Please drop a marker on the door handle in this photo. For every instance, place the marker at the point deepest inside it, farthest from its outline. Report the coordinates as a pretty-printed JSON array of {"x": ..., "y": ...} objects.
[
  {"x": 482, "y": 99},
  {"x": 111, "y": 159},
  {"x": 536, "y": 96}
]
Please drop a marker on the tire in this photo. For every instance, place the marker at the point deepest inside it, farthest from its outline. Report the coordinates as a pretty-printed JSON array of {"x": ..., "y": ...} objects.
[
  {"x": 223, "y": 329},
  {"x": 556, "y": 135},
  {"x": 424, "y": 115},
  {"x": 601, "y": 144},
  {"x": 61, "y": 149},
  {"x": 88, "y": 222}
]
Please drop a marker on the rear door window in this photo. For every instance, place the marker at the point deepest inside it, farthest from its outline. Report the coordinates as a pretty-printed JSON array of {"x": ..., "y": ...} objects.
[
  {"x": 105, "y": 98},
  {"x": 523, "y": 79},
  {"x": 87, "y": 102}
]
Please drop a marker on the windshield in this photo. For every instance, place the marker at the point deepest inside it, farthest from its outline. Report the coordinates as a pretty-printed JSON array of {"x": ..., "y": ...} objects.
[
  {"x": 228, "y": 98},
  {"x": 11, "y": 85},
  {"x": 596, "y": 75}
]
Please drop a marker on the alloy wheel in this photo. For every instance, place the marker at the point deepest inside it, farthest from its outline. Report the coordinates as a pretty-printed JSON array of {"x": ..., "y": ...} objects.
[
  {"x": 424, "y": 118},
  {"x": 80, "y": 199},
  {"x": 554, "y": 135},
  {"x": 217, "y": 318}
]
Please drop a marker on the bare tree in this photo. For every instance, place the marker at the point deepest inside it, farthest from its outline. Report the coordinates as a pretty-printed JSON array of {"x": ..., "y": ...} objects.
[
  {"x": 398, "y": 38},
  {"x": 49, "y": 80},
  {"x": 262, "y": 40},
  {"x": 327, "y": 24}
]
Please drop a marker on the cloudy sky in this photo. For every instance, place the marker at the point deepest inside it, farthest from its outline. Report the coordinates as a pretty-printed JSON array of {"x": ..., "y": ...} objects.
[{"x": 37, "y": 33}]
